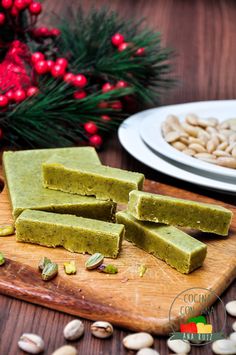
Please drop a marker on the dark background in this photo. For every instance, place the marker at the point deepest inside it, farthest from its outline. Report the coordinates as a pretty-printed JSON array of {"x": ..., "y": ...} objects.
[{"x": 203, "y": 35}]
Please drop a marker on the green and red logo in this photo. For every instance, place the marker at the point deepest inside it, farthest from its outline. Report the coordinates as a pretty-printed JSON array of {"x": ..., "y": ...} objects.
[{"x": 193, "y": 316}]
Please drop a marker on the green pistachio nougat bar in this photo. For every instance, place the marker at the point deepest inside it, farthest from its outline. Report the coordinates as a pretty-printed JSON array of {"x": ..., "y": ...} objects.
[
  {"x": 86, "y": 179},
  {"x": 23, "y": 171},
  {"x": 185, "y": 213},
  {"x": 76, "y": 234},
  {"x": 176, "y": 248}
]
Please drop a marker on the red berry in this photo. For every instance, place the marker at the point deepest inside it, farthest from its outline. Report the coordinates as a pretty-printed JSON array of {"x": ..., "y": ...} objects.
[
  {"x": 79, "y": 95},
  {"x": 63, "y": 62},
  {"x": 106, "y": 118},
  {"x": 20, "y": 4},
  {"x": 91, "y": 127},
  {"x": 3, "y": 101},
  {"x": 41, "y": 67},
  {"x": 14, "y": 11},
  {"x": 35, "y": 8},
  {"x": 1, "y": 133},
  {"x": 80, "y": 81},
  {"x": 2, "y": 18},
  {"x": 107, "y": 87},
  {"x": 116, "y": 105},
  {"x": 10, "y": 95},
  {"x": 28, "y": 2},
  {"x": 121, "y": 84},
  {"x": 103, "y": 104},
  {"x": 68, "y": 78},
  {"x": 50, "y": 64},
  {"x": 37, "y": 56},
  {"x": 33, "y": 90},
  {"x": 7, "y": 4},
  {"x": 123, "y": 46},
  {"x": 57, "y": 71},
  {"x": 55, "y": 32},
  {"x": 42, "y": 32},
  {"x": 117, "y": 39},
  {"x": 96, "y": 141},
  {"x": 16, "y": 43},
  {"x": 19, "y": 95},
  {"x": 140, "y": 51}
]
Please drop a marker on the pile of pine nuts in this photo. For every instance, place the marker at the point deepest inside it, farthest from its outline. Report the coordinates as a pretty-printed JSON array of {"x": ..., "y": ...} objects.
[{"x": 205, "y": 139}]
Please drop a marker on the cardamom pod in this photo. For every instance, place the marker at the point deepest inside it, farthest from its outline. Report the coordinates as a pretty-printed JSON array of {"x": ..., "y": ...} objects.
[
  {"x": 43, "y": 262},
  {"x": 108, "y": 269},
  {"x": 94, "y": 261},
  {"x": 2, "y": 259},
  {"x": 7, "y": 229},
  {"x": 50, "y": 271},
  {"x": 70, "y": 268}
]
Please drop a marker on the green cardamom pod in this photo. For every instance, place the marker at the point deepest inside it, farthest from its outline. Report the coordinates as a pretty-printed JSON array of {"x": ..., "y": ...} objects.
[
  {"x": 7, "y": 229},
  {"x": 94, "y": 261},
  {"x": 43, "y": 262},
  {"x": 2, "y": 259},
  {"x": 50, "y": 271},
  {"x": 70, "y": 268}
]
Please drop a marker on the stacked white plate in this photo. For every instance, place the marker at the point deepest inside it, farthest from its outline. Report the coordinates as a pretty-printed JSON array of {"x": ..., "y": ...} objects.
[{"x": 141, "y": 136}]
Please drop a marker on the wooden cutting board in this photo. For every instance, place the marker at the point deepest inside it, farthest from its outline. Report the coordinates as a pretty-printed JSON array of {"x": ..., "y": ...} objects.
[{"x": 124, "y": 299}]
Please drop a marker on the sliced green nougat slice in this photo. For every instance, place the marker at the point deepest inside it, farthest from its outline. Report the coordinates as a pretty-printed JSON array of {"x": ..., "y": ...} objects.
[
  {"x": 206, "y": 217},
  {"x": 176, "y": 248},
  {"x": 76, "y": 234},
  {"x": 86, "y": 179},
  {"x": 24, "y": 179}
]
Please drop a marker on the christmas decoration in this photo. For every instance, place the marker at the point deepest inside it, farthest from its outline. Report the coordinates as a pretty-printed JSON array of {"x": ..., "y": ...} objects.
[{"x": 73, "y": 83}]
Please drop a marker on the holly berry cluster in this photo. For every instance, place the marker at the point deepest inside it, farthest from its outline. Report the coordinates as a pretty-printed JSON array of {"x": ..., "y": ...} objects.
[{"x": 14, "y": 7}]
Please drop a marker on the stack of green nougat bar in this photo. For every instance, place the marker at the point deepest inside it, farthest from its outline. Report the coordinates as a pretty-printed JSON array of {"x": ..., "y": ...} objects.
[
  {"x": 79, "y": 222},
  {"x": 150, "y": 220}
]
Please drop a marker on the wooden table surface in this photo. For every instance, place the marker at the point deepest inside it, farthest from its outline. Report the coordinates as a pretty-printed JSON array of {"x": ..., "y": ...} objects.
[{"x": 203, "y": 34}]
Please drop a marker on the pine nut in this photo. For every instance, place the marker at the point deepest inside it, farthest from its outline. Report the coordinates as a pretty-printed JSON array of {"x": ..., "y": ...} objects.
[
  {"x": 222, "y": 146},
  {"x": 172, "y": 136},
  {"x": 227, "y": 162},
  {"x": 196, "y": 140},
  {"x": 192, "y": 119},
  {"x": 205, "y": 123},
  {"x": 197, "y": 147},
  {"x": 179, "y": 145},
  {"x": 211, "y": 146},
  {"x": 191, "y": 130},
  {"x": 172, "y": 119},
  {"x": 166, "y": 128},
  {"x": 184, "y": 140},
  {"x": 204, "y": 155},
  {"x": 189, "y": 151}
]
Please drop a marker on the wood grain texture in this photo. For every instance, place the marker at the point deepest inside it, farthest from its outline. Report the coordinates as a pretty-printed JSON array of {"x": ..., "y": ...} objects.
[
  {"x": 203, "y": 35},
  {"x": 122, "y": 299}
]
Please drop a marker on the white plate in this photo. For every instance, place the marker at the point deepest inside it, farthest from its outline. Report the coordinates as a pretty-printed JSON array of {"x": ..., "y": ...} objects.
[
  {"x": 129, "y": 137},
  {"x": 150, "y": 131}
]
